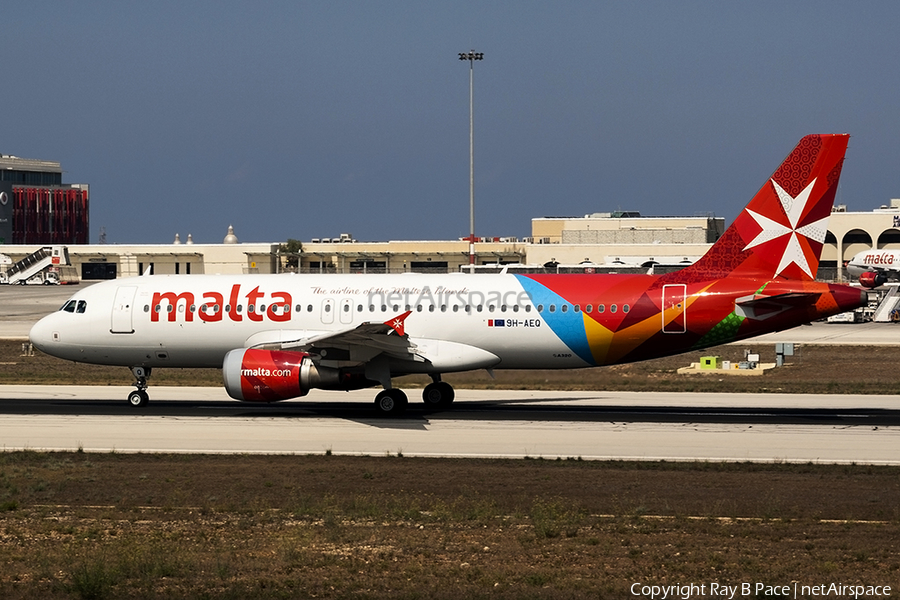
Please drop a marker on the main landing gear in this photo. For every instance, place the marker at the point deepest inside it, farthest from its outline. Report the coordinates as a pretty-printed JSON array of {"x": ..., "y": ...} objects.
[
  {"x": 436, "y": 395},
  {"x": 390, "y": 402},
  {"x": 139, "y": 397}
]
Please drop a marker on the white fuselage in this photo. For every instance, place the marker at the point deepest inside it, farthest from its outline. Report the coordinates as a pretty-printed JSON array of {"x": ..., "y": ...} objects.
[{"x": 194, "y": 321}]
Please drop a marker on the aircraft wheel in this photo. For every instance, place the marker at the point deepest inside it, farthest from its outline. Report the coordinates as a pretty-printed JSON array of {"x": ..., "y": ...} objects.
[
  {"x": 439, "y": 394},
  {"x": 390, "y": 402},
  {"x": 138, "y": 398}
]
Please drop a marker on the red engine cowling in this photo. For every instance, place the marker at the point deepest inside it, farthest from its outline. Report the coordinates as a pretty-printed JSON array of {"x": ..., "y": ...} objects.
[
  {"x": 872, "y": 279},
  {"x": 264, "y": 375},
  {"x": 256, "y": 375}
]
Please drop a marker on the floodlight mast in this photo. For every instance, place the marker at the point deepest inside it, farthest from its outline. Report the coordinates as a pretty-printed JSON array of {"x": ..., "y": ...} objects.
[{"x": 471, "y": 56}]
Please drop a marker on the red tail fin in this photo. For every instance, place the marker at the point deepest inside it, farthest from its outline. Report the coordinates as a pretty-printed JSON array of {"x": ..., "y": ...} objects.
[{"x": 782, "y": 230}]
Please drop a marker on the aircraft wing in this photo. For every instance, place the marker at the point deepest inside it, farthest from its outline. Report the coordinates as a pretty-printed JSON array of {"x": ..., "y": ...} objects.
[
  {"x": 356, "y": 344},
  {"x": 760, "y": 307}
]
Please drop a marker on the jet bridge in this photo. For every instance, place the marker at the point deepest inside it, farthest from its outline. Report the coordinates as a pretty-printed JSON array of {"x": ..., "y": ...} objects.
[{"x": 35, "y": 264}]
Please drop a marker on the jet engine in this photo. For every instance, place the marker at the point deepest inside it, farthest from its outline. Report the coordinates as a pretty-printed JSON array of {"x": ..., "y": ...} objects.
[
  {"x": 872, "y": 279},
  {"x": 256, "y": 375}
]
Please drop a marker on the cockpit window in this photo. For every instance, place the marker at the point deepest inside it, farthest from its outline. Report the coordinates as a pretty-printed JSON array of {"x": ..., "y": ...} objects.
[
  {"x": 82, "y": 306},
  {"x": 69, "y": 306}
]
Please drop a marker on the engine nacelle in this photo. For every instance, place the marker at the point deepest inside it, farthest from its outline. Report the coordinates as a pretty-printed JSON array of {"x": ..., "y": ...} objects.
[
  {"x": 256, "y": 375},
  {"x": 271, "y": 375},
  {"x": 872, "y": 279}
]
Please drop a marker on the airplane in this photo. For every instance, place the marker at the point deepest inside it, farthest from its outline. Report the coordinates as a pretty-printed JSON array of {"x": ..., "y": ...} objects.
[
  {"x": 278, "y": 336},
  {"x": 873, "y": 268}
]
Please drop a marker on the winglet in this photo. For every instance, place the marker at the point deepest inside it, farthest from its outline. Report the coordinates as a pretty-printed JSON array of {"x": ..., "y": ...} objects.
[{"x": 398, "y": 323}]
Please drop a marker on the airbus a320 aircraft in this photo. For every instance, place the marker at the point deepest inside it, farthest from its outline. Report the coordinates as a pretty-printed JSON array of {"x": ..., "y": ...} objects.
[
  {"x": 276, "y": 337},
  {"x": 873, "y": 268}
]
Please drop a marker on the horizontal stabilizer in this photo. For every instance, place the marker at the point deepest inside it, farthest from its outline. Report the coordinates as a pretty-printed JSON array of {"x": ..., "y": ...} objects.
[{"x": 760, "y": 307}]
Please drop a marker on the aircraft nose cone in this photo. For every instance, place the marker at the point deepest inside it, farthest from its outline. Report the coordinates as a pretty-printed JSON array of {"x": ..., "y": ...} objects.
[{"x": 42, "y": 334}]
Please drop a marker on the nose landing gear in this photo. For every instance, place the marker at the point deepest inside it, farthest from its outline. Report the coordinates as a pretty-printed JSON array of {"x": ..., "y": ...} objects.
[{"x": 139, "y": 397}]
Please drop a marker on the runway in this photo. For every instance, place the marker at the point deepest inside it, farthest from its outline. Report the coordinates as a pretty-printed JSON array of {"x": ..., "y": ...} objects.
[{"x": 548, "y": 425}]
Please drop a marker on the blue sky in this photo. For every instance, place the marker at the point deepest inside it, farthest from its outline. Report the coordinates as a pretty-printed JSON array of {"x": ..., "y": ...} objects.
[{"x": 302, "y": 119}]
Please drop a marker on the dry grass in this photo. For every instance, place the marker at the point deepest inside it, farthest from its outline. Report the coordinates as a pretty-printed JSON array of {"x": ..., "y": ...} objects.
[{"x": 110, "y": 526}]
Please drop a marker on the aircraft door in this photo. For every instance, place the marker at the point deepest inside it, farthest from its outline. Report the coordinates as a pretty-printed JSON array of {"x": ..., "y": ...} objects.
[
  {"x": 347, "y": 310},
  {"x": 328, "y": 311},
  {"x": 674, "y": 316},
  {"x": 121, "y": 310}
]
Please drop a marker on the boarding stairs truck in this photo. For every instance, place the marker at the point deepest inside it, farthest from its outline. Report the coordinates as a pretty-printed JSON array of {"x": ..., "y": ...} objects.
[
  {"x": 887, "y": 309},
  {"x": 41, "y": 266}
]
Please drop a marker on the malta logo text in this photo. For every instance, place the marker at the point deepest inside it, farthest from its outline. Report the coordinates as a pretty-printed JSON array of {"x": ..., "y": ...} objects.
[{"x": 254, "y": 306}]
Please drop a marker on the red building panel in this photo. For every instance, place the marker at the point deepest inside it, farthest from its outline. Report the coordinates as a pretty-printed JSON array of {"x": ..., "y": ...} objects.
[{"x": 50, "y": 216}]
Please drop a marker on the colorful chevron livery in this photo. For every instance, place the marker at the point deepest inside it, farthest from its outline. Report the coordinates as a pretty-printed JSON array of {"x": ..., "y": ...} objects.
[{"x": 753, "y": 280}]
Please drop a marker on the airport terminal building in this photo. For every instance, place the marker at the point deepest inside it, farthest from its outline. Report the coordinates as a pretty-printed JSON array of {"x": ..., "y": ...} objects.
[
  {"x": 36, "y": 207},
  {"x": 594, "y": 243}
]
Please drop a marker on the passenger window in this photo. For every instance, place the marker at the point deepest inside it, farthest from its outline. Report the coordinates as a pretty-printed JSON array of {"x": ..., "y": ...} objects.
[
  {"x": 527, "y": 308},
  {"x": 626, "y": 308},
  {"x": 601, "y": 308},
  {"x": 588, "y": 308},
  {"x": 515, "y": 308},
  {"x": 309, "y": 308},
  {"x": 540, "y": 307},
  {"x": 552, "y": 308},
  {"x": 577, "y": 308},
  {"x": 565, "y": 308},
  {"x": 612, "y": 308},
  {"x": 82, "y": 306}
]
